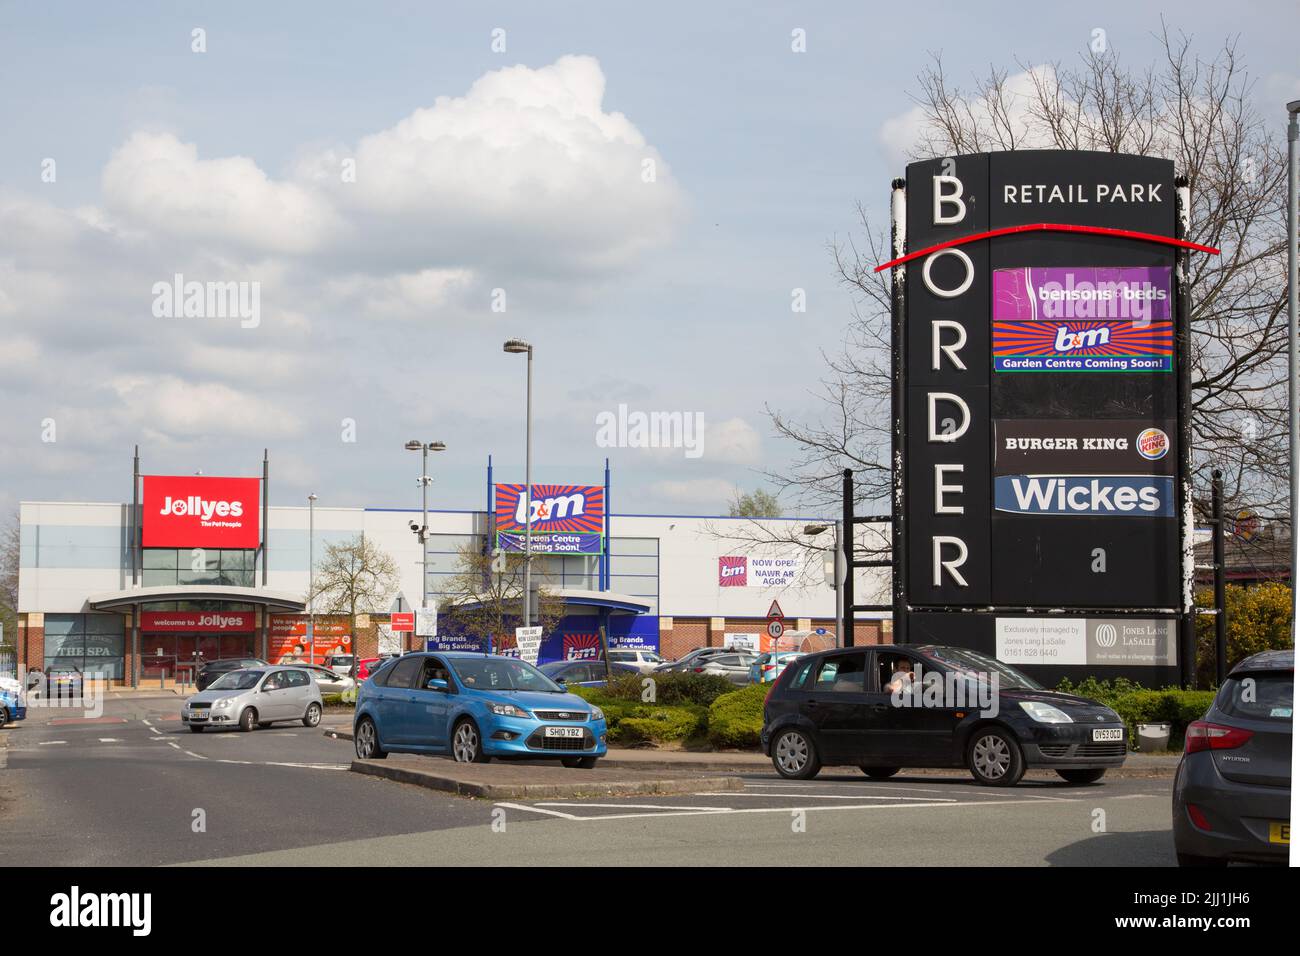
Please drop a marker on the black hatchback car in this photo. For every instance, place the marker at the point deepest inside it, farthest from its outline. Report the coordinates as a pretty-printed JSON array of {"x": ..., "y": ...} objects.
[
  {"x": 210, "y": 671},
  {"x": 893, "y": 706},
  {"x": 1232, "y": 792}
]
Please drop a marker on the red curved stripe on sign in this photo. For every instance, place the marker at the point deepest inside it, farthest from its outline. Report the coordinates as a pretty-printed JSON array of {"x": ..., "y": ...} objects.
[{"x": 1050, "y": 227}]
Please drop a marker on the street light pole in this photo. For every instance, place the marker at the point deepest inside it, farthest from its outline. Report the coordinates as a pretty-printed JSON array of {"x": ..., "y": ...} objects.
[
  {"x": 1293, "y": 336},
  {"x": 311, "y": 576},
  {"x": 515, "y": 346},
  {"x": 422, "y": 532}
]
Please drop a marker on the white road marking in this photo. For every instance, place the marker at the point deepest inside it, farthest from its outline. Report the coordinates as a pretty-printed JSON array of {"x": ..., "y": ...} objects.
[
  {"x": 50, "y": 743},
  {"x": 146, "y": 721},
  {"x": 787, "y": 809},
  {"x": 822, "y": 796},
  {"x": 110, "y": 740},
  {"x": 637, "y": 806}
]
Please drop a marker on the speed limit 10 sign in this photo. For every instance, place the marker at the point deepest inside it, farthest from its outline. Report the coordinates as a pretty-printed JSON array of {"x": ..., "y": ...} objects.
[{"x": 775, "y": 629}]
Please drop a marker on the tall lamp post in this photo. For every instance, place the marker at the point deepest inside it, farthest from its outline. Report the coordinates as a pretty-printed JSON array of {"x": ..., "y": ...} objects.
[
  {"x": 311, "y": 577},
  {"x": 515, "y": 347},
  {"x": 814, "y": 530},
  {"x": 1293, "y": 336},
  {"x": 422, "y": 532}
]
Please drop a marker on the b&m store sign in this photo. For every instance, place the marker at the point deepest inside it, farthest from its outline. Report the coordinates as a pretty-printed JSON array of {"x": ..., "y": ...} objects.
[{"x": 565, "y": 519}]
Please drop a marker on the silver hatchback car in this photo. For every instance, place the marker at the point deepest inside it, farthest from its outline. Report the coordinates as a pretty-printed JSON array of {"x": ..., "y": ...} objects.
[{"x": 255, "y": 697}]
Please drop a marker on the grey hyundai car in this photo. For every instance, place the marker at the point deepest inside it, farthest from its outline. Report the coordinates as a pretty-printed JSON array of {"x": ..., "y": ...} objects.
[
  {"x": 1232, "y": 792},
  {"x": 255, "y": 697}
]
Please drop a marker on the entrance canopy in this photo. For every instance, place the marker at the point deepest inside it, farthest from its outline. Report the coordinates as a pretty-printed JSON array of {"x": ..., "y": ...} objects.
[{"x": 271, "y": 600}]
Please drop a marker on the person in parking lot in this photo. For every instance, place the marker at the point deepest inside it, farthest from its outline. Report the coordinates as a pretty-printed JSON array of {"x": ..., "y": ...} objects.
[{"x": 900, "y": 681}]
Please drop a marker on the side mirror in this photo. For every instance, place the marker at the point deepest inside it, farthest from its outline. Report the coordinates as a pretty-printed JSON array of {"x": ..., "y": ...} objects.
[{"x": 437, "y": 683}]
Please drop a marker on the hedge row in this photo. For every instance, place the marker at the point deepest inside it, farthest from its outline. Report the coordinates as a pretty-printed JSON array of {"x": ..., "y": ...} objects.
[
  {"x": 1139, "y": 705},
  {"x": 731, "y": 719}
]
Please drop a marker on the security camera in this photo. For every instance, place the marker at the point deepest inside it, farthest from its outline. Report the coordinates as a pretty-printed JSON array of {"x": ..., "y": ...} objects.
[{"x": 415, "y": 527}]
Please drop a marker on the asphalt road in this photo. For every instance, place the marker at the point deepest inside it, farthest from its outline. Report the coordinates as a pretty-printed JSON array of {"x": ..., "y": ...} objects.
[{"x": 126, "y": 790}]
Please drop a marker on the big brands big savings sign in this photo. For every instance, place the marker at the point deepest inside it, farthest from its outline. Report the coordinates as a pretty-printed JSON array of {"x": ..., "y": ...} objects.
[{"x": 1040, "y": 311}]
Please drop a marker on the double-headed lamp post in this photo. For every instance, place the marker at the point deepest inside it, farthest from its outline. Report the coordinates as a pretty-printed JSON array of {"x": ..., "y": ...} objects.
[
  {"x": 813, "y": 530},
  {"x": 516, "y": 347},
  {"x": 422, "y": 532},
  {"x": 311, "y": 576}
]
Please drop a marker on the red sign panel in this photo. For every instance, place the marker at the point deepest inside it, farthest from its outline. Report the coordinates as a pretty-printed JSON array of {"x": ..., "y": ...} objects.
[
  {"x": 200, "y": 512},
  {"x": 197, "y": 620},
  {"x": 402, "y": 621},
  {"x": 733, "y": 572}
]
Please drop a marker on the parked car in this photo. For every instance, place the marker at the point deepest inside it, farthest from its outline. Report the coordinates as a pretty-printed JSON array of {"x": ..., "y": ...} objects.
[
  {"x": 692, "y": 658},
  {"x": 366, "y": 667},
  {"x": 768, "y": 667},
  {"x": 211, "y": 670},
  {"x": 1232, "y": 791},
  {"x": 329, "y": 682},
  {"x": 847, "y": 706},
  {"x": 734, "y": 667},
  {"x": 474, "y": 707},
  {"x": 255, "y": 697},
  {"x": 585, "y": 673},
  {"x": 340, "y": 664},
  {"x": 13, "y": 704},
  {"x": 639, "y": 657}
]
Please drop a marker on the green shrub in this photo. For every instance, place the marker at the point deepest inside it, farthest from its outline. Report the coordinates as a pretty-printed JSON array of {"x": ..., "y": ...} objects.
[
  {"x": 1259, "y": 619},
  {"x": 1176, "y": 707},
  {"x": 634, "y": 722},
  {"x": 736, "y": 719},
  {"x": 1102, "y": 691},
  {"x": 670, "y": 689}
]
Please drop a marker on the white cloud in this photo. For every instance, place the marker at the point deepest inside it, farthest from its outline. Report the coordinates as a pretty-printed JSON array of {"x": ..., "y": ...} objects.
[
  {"x": 733, "y": 440},
  {"x": 711, "y": 495},
  {"x": 165, "y": 405},
  {"x": 156, "y": 181}
]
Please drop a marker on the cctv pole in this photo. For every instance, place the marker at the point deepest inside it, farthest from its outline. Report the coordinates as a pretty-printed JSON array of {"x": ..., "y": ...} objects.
[
  {"x": 311, "y": 576},
  {"x": 424, "y": 526},
  {"x": 528, "y": 498}
]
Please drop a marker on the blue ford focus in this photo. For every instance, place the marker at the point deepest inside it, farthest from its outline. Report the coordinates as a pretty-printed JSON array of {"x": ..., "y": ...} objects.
[{"x": 474, "y": 707}]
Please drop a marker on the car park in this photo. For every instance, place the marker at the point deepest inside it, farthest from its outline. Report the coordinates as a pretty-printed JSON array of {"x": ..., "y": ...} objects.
[
  {"x": 768, "y": 667},
  {"x": 255, "y": 697},
  {"x": 473, "y": 707},
  {"x": 340, "y": 664},
  {"x": 1232, "y": 791},
  {"x": 692, "y": 658},
  {"x": 211, "y": 670},
  {"x": 734, "y": 666},
  {"x": 585, "y": 673},
  {"x": 639, "y": 657},
  {"x": 849, "y": 707},
  {"x": 13, "y": 703},
  {"x": 329, "y": 682}
]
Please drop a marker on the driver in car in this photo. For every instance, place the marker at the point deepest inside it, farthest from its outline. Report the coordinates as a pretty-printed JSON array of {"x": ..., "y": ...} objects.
[{"x": 900, "y": 682}]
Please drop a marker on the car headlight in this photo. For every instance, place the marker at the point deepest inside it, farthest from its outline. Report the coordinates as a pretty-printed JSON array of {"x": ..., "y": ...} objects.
[
  {"x": 1045, "y": 713},
  {"x": 597, "y": 713},
  {"x": 509, "y": 710},
  {"x": 224, "y": 702}
]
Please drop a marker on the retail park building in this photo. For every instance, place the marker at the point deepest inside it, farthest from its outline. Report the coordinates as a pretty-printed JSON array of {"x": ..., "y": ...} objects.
[{"x": 200, "y": 568}]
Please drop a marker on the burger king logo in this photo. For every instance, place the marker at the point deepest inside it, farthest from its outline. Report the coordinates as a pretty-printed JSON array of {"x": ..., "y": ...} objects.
[{"x": 1153, "y": 444}]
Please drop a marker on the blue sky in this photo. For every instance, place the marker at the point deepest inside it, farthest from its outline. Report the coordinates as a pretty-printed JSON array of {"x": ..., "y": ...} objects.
[{"x": 671, "y": 296}]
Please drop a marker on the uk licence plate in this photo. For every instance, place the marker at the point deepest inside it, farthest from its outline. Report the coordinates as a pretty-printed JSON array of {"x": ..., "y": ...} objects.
[
  {"x": 1108, "y": 733},
  {"x": 1279, "y": 833},
  {"x": 563, "y": 732}
]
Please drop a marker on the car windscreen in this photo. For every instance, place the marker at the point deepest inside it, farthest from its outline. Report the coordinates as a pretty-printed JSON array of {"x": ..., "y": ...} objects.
[
  {"x": 236, "y": 680},
  {"x": 977, "y": 666},
  {"x": 501, "y": 673},
  {"x": 1266, "y": 695}
]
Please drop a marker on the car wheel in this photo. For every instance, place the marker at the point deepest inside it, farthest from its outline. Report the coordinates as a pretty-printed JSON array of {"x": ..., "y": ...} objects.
[
  {"x": 247, "y": 719},
  {"x": 795, "y": 756},
  {"x": 1189, "y": 859},
  {"x": 1081, "y": 776},
  {"x": 994, "y": 758},
  {"x": 880, "y": 773},
  {"x": 4, "y": 716},
  {"x": 366, "y": 741},
  {"x": 312, "y": 717},
  {"x": 581, "y": 763},
  {"x": 263, "y": 724},
  {"x": 466, "y": 744},
  {"x": 195, "y": 729}
]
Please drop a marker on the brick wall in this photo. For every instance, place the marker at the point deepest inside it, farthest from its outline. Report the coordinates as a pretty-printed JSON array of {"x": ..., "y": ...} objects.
[{"x": 689, "y": 633}]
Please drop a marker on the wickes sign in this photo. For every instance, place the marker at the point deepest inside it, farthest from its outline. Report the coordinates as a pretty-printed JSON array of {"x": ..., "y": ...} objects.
[
  {"x": 1040, "y": 389},
  {"x": 200, "y": 512}
]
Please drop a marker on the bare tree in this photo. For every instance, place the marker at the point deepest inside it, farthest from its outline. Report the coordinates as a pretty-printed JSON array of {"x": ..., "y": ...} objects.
[
  {"x": 485, "y": 596},
  {"x": 355, "y": 577},
  {"x": 1194, "y": 111},
  {"x": 9, "y": 560}
]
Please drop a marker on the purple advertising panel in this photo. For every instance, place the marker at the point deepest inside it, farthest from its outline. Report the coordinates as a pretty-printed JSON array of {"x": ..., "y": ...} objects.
[{"x": 1137, "y": 294}]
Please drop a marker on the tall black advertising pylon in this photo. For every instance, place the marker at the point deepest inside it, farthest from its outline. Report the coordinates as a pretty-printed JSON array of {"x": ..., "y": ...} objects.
[{"x": 1042, "y": 510}]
